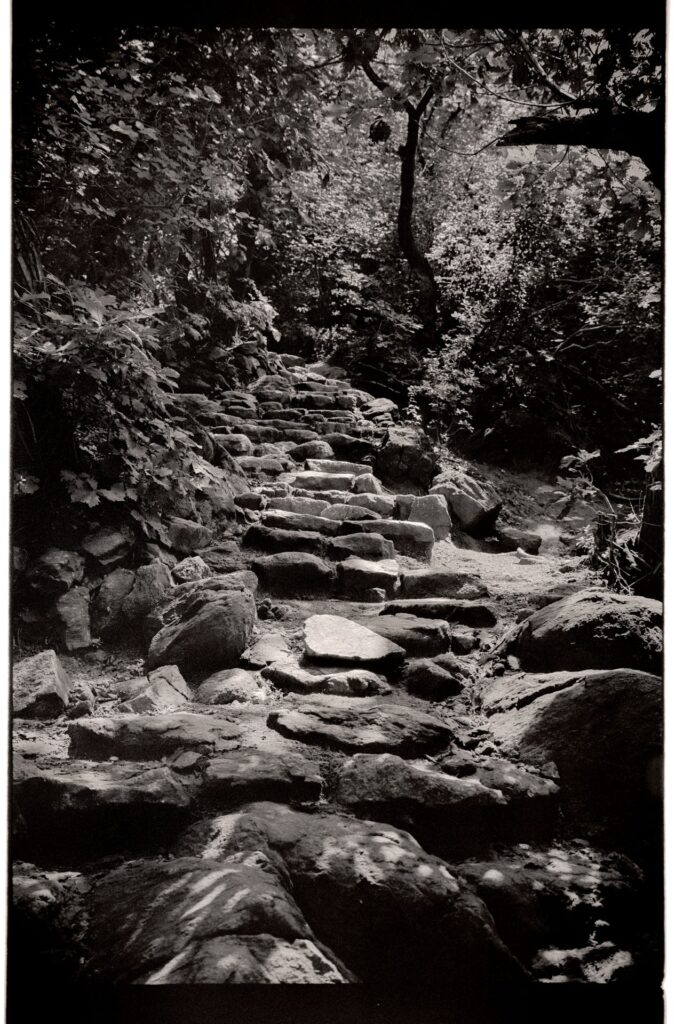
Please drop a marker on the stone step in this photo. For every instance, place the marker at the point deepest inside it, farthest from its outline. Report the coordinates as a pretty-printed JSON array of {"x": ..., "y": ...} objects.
[
  {"x": 465, "y": 613},
  {"x": 323, "y": 481}
]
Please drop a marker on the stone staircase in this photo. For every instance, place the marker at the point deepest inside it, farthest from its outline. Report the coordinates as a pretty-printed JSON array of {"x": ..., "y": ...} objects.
[{"x": 334, "y": 768}]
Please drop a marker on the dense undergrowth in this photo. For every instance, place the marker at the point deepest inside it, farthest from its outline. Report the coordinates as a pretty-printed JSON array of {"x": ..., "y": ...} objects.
[{"x": 183, "y": 198}]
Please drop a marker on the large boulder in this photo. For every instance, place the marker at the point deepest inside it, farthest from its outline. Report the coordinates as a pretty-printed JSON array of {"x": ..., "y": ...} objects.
[
  {"x": 150, "y": 737},
  {"x": 381, "y": 504},
  {"x": 391, "y": 911},
  {"x": 550, "y": 902},
  {"x": 435, "y": 678},
  {"x": 362, "y": 725},
  {"x": 431, "y": 509},
  {"x": 602, "y": 729},
  {"x": 40, "y": 686},
  {"x": 232, "y": 685},
  {"x": 592, "y": 629},
  {"x": 246, "y": 775},
  {"x": 333, "y": 638},
  {"x": 443, "y": 811},
  {"x": 206, "y": 626},
  {"x": 191, "y": 569},
  {"x": 79, "y": 809},
  {"x": 473, "y": 507},
  {"x": 405, "y": 460},
  {"x": 148, "y": 926},
  {"x": 295, "y": 574}
]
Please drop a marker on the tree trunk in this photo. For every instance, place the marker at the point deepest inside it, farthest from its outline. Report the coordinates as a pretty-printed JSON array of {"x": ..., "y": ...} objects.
[{"x": 406, "y": 236}]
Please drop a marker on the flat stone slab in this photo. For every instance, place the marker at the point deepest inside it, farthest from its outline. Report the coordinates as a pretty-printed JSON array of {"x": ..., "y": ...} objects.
[
  {"x": 150, "y": 737},
  {"x": 337, "y": 466},
  {"x": 432, "y": 583},
  {"x": 364, "y": 545},
  {"x": 294, "y": 574},
  {"x": 355, "y": 682},
  {"x": 418, "y": 637},
  {"x": 464, "y": 613},
  {"x": 310, "y": 481},
  {"x": 383, "y": 504},
  {"x": 391, "y": 728},
  {"x": 342, "y": 513},
  {"x": 335, "y": 638},
  {"x": 358, "y": 575},
  {"x": 265, "y": 538},
  {"x": 282, "y": 520},
  {"x": 414, "y": 539},
  {"x": 301, "y": 505},
  {"x": 260, "y": 775}
]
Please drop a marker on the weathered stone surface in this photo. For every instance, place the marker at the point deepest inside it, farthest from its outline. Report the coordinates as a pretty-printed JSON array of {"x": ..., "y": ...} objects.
[
  {"x": 405, "y": 458},
  {"x": 294, "y": 574},
  {"x": 473, "y": 508},
  {"x": 299, "y": 521},
  {"x": 186, "y": 920},
  {"x": 235, "y": 444},
  {"x": 251, "y": 500},
  {"x": 268, "y": 648},
  {"x": 379, "y": 406},
  {"x": 377, "y": 729},
  {"x": 80, "y": 809},
  {"x": 435, "y": 678},
  {"x": 40, "y": 686},
  {"x": 415, "y": 539},
  {"x": 431, "y": 509},
  {"x": 312, "y": 450},
  {"x": 382, "y": 504},
  {"x": 336, "y": 466},
  {"x": 362, "y": 545},
  {"x": 190, "y": 570},
  {"x": 456, "y": 814},
  {"x": 187, "y": 537},
  {"x": 357, "y": 576},
  {"x": 418, "y": 637},
  {"x": 232, "y": 685},
  {"x": 289, "y": 675},
  {"x": 341, "y": 513},
  {"x": 152, "y": 584},
  {"x": 55, "y": 572},
  {"x": 366, "y": 483},
  {"x": 510, "y": 539},
  {"x": 301, "y": 506},
  {"x": 556, "y": 898},
  {"x": 266, "y": 467},
  {"x": 108, "y": 548},
  {"x": 603, "y": 730},
  {"x": 150, "y": 737},
  {"x": 72, "y": 612},
  {"x": 337, "y": 639},
  {"x": 265, "y": 538},
  {"x": 417, "y": 923},
  {"x": 465, "y": 613},
  {"x": 247, "y": 775},
  {"x": 310, "y": 481},
  {"x": 207, "y": 626},
  {"x": 432, "y": 583},
  {"x": 225, "y": 557},
  {"x": 345, "y": 446},
  {"x": 163, "y": 689},
  {"x": 107, "y": 604},
  {"x": 592, "y": 629}
]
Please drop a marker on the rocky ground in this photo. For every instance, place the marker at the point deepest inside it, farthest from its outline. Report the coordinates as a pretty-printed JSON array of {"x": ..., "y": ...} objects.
[{"x": 368, "y": 734}]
